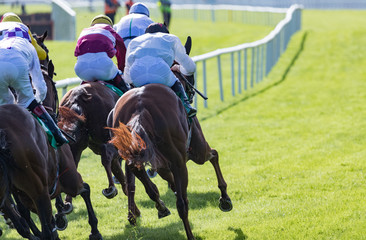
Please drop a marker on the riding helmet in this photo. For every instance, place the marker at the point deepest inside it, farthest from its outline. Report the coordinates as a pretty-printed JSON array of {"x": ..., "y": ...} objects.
[
  {"x": 139, "y": 8},
  {"x": 101, "y": 19},
  {"x": 157, "y": 27},
  {"x": 10, "y": 17}
]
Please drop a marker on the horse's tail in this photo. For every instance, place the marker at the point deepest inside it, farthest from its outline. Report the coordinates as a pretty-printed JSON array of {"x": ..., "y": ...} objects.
[
  {"x": 5, "y": 159},
  {"x": 130, "y": 145},
  {"x": 69, "y": 120}
]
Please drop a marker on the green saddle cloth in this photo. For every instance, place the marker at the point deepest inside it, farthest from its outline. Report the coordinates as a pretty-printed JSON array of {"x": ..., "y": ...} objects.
[
  {"x": 114, "y": 89},
  {"x": 51, "y": 138}
]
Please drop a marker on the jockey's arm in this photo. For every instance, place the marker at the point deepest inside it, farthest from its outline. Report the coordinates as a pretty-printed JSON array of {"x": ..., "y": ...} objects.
[
  {"x": 186, "y": 64},
  {"x": 37, "y": 78}
]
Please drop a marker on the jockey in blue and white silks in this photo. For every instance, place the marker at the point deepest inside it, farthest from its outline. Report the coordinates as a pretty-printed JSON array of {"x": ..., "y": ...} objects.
[
  {"x": 18, "y": 60},
  {"x": 150, "y": 57},
  {"x": 134, "y": 24}
]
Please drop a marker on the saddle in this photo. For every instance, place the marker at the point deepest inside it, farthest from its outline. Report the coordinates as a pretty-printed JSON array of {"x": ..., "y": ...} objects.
[{"x": 110, "y": 86}]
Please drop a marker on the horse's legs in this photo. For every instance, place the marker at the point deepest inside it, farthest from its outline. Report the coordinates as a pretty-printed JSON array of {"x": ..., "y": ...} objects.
[
  {"x": 225, "y": 201},
  {"x": 60, "y": 217},
  {"x": 25, "y": 213},
  {"x": 44, "y": 210},
  {"x": 180, "y": 174},
  {"x": 19, "y": 223},
  {"x": 118, "y": 172},
  {"x": 167, "y": 175},
  {"x": 201, "y": 152},
  {"x": 76, "y": 153},
  {"x": 133, "y": 211},
  {"x": 107, "y": 153},
  {"x": 152, "y": 191},
  {"x": 93, "y": 221}
]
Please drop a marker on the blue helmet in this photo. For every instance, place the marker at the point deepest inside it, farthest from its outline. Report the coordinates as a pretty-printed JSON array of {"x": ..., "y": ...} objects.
[{"x": 139, "y": 8}]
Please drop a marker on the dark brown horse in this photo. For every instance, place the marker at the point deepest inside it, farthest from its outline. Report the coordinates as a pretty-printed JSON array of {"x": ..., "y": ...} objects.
[
  {"x": 150, "y": 126},
  {"x": 34, "y": 171},
  {"x": 83, "y": 114},
  {"x": 51, "y": 104}
]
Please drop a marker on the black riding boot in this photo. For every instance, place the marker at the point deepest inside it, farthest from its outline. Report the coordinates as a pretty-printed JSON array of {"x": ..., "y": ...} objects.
[
  {"x": 178, "y": 89},
  {"x": 40, "y": 112},
  {"x": 119, "y": 83}
]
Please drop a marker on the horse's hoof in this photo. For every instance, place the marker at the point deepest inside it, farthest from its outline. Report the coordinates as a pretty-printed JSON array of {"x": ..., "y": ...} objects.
[
  {"x": 163, "y": 213},
  {"x": 110, "y": 192},
  {"x": 67, "y": 208},
  {"x": 97, "y": 236},
  {"x": 132, "y": 220},
  {"x": 225, "y": 205},
  {"x": 61, "y": 222},
  {"x": 151, "y": 173}
]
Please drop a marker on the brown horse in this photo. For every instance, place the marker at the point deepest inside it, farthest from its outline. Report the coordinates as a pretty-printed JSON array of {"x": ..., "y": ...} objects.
[
  {"x": 150, "y": 126},
  {"x": 34, "y": 171},
  {"x": 83, "y": 114}
]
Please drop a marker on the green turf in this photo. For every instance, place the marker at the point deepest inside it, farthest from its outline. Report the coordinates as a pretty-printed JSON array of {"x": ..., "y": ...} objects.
[{"x": 292, "y": 153}]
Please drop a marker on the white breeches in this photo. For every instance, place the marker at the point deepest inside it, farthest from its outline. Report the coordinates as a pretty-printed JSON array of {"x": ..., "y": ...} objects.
[
  {"x": 151, "y": 70},
  {"x": 95, "y": 66},
  {"x": 14, "y": 72}
]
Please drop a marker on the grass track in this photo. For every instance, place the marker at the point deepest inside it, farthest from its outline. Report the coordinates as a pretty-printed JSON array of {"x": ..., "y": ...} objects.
[{"x": 292, "y": 153}]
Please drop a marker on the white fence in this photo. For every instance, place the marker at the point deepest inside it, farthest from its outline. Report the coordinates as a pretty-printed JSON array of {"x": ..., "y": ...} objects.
[{"x": 253, "y": 60}]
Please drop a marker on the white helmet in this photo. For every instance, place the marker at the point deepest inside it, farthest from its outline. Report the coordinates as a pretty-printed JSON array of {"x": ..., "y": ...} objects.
[{"x": 139, "y": 8}]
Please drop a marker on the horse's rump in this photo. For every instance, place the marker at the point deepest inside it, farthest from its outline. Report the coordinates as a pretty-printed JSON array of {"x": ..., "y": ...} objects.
[
  {"x": 154, "y": 113},
  {"x": 92, "y": 102}
]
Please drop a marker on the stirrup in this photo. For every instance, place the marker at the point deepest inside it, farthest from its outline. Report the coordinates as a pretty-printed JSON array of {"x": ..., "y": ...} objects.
[{"x": 191, "y": 112}]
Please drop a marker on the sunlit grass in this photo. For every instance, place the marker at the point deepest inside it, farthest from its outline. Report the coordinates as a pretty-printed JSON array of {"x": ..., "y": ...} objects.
[{"x": 293, "y": 155}]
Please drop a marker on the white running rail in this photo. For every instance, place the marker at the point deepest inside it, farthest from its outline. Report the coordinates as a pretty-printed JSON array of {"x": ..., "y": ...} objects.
[{"x": 254, "y": 60}]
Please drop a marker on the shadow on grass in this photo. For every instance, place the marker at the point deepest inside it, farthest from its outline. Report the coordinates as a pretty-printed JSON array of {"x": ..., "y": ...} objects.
[
  {"x": 197, "y": 200},
  {"x": 170, "y": 231},
  {"x": 299, "y": 51},
  {"x": 239, "y": 233}
]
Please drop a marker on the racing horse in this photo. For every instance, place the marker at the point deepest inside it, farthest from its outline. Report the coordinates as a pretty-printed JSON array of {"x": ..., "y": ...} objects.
[
  {"x": 51, "y": 104},
  {"x": 150, "y": 127},
  {"x": 83, "y": 114},
  {"x": 197, "y": 149},
  {"x": 35, "y": 172}
]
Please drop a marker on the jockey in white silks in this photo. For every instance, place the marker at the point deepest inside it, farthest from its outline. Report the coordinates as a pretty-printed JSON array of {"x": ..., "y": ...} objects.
[
  {"x": 150, "y": 58},
  {"x": 18, "y": 59},
  {"x": 95, "y": 48},
  {"x": 134, "y": 24}
]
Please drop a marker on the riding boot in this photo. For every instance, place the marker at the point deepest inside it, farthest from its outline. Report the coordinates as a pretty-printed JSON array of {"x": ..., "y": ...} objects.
[
  {"x": 41, "y": 112},
  {"x": 119, "y": 83},
  {"x": 178, "y": 89}
]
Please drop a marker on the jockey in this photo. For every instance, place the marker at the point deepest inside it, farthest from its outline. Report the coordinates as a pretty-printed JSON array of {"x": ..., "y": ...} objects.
[
  {"x": 12, "y": 17},
  {"x": 18, "y": 58},
  {"x": 94, "y": 50},
  {"x": 134, "y": 24},
  {"x": 150, "y": 57}
]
